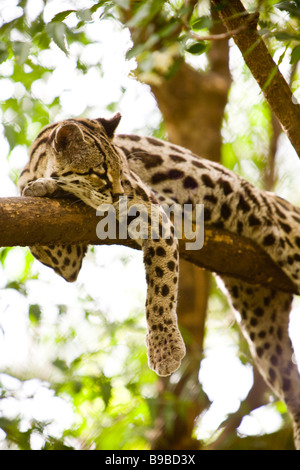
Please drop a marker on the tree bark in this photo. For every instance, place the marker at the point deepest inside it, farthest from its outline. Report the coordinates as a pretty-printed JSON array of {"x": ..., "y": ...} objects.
[
  {"x": 192, "y": 104},
  {"x": 43, "y": 221}
]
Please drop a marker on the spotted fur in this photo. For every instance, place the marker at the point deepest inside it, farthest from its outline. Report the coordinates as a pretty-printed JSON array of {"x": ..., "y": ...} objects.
[{"x": 83, "y": 157}]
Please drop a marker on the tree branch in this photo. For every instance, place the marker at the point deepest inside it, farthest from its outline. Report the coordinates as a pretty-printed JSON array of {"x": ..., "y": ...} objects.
[
  {"x": 263, "y": 68},
  {"x": 43, "y": 221}
]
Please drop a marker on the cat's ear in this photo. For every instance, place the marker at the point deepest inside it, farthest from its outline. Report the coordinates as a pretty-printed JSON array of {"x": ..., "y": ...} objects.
[
  {"x": 111, "y": 124},
  {"x": 66, "y": 135}
]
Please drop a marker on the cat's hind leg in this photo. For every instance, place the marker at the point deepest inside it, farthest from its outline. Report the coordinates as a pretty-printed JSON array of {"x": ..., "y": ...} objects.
[{"x": 263, "y": 315}]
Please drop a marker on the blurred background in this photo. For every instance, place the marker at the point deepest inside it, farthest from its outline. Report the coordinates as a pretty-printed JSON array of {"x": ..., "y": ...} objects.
[{"x": 73, "y": 366}]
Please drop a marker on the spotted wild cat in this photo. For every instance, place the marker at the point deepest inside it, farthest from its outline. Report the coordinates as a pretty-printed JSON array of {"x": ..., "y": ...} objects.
[{"x": 84, "y": 157}]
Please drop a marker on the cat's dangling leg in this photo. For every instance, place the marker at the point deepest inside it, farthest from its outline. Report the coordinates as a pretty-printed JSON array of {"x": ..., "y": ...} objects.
[
  {"x": 65, "y": 260},
  {"x": 263, "y": 315}
]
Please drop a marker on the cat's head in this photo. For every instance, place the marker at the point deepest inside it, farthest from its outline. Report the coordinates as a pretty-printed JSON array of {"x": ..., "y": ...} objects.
[{"x": 84, "y": 161}]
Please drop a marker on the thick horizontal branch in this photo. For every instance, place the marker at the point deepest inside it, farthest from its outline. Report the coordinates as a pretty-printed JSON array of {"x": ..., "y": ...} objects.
[
  {"x": 27, "y": 221},
  {"x": 263, "y": 68}
]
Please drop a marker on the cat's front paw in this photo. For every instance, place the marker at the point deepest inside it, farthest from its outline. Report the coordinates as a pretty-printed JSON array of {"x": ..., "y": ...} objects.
[
  {"x": 40, "y": 188},
  {"x": 165, "y": 348}
]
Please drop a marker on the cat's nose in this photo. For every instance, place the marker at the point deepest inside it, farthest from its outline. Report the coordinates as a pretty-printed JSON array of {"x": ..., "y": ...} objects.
[{"x": 117, "y": 188}]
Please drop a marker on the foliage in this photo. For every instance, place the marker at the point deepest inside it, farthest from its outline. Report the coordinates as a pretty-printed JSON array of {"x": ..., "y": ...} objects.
[
  {"x": 113, "y": 405},
  {"x": 107, "y": 409}
]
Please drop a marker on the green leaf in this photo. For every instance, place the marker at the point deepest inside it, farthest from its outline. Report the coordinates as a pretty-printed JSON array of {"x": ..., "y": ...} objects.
[
  {"x": 3, "y": 254},
  {"x": 11, "y": 133},
  {"x": 18, "y": 286},
  {"x": 168, "y": 29},
  {"x": 62, "y": 15},
  {"x": 4, "y": 53},
  {"x": 42, "y": 40},
  {"x": 197, "y": 48},
  {"x": 106, "y": 390},
  {"x": 21, "y": 51},
  {"x": 145, "y": 12},
  {"x": 36, "y": 26},
  {"x": 98, "y": 5},
  {"x": 286, "y": 36},
  {"x": 62, "y": 309},
  {"x": 292, "y": 7},
  {"x": 81, "y": 66},
  {"x": 295, "y": 56},
  {"x": 229, "y": 158},
  {"x": 57, "y": 32},
  {"x": 205, "y": 22},
  {"x": 135, "y": 51},
  {"x": 84, "y": 15},
  {"x": 6, "y": 28},
  {"x": 61, "y": 365},
  {"x": 35, "y": 313}
]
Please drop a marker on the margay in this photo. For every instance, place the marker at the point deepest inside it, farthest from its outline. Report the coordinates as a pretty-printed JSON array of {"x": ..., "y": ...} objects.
[{"x": 84, "y": 157}]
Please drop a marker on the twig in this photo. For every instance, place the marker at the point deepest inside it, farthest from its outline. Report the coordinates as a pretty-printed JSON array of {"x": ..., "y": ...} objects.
[
  {"x": 221, "y": 36},
  {"x": 262, "y": 67}
]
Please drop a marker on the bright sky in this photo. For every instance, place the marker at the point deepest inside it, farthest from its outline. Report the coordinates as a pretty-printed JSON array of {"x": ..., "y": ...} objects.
[{"x": 225, "y": 380}]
